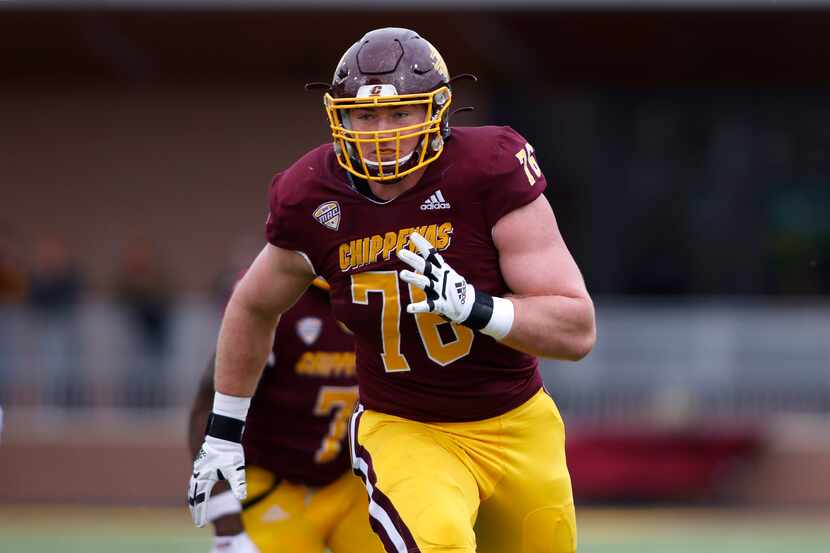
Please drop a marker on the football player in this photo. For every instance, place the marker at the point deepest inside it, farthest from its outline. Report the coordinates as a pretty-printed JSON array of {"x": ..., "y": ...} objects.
[
  {"x": 445, "y": 259},
  {"x": 302, "y": 496}
]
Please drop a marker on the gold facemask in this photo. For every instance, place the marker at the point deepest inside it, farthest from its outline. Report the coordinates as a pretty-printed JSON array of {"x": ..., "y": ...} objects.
[{"x": 351, "y": 146}]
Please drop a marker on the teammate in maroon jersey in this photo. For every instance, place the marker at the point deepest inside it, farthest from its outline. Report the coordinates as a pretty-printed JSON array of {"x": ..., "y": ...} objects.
[
  {"x": 458, "y": 445},
  {"x": 303, "y": 497}
]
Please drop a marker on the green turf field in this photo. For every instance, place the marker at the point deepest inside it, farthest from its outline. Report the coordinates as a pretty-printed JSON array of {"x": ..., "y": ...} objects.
[{"x": 26, "y": 529}]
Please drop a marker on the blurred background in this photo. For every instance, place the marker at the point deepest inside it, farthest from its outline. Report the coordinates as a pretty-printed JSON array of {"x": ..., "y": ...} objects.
[{"x": 686, "y": 147}]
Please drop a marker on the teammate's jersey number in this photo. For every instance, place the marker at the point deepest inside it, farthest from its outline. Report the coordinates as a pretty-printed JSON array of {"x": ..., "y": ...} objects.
[
  {"x": 341, "y": 400},
  {"x": 386, "y": 283}
]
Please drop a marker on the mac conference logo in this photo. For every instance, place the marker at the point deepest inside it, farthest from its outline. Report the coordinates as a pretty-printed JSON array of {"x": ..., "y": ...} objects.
[
  {"x": 309, "y": 329},
  {"x": 328, "y": 215}
]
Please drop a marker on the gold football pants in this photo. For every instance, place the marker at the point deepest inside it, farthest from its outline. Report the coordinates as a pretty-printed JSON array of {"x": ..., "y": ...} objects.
[
  {"x": 283, "y": 517},
  {"x": 498, "y": 485}
]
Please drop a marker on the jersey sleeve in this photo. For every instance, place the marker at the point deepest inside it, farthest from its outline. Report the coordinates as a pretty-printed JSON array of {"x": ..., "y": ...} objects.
[
  {"x": 284, "y": 225},
  {"x": 278, "y": 215},
  {"x": 515, "y": 178}
]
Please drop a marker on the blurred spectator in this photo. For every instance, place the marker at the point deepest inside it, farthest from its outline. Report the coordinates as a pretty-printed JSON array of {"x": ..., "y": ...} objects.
[
  {"x": 236, "y": 262},
  {"x": 13, "y": 283},
  {"x": 13, "y": 280},
  {"x": 54, "y": 291},
  {"x": 144, "y": 290}
]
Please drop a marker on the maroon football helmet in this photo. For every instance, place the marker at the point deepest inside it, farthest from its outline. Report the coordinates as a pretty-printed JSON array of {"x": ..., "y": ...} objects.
[{"x": 389, "y": 67}]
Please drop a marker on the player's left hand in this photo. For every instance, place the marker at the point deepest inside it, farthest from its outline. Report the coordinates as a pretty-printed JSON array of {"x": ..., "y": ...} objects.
[{"x": 448, "y": 293}]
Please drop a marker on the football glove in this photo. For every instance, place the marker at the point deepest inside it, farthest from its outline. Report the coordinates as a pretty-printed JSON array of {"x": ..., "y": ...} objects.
[
  {"x": 221, "y": 457},
  {"x": 450, "y": 295},
  {"x": 239, "y": 543}
]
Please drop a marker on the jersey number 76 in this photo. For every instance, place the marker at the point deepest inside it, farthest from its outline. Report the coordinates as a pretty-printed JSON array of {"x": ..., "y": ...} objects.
[{"x": 386, "y": 283}]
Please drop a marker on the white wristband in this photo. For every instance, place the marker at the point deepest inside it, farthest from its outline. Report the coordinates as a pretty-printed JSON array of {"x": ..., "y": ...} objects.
[
  {"x": 501, "y": 321},
  {"x": 222, "y": 504},
  {"x": 231, "y": 406}
]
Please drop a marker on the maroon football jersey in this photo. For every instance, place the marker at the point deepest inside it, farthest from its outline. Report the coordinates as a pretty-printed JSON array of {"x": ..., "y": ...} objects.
[
  {"x": 416, "y": 366},
  {"x": 297, "y": 423}
]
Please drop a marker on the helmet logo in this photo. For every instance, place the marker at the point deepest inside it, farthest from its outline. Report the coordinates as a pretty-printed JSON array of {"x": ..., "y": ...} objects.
[
  {"x": 328, "y": 215},
  {"x": 373, "y": 90}
]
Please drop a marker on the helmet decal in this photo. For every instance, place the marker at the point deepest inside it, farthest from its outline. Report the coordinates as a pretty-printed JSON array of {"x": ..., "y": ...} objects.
[{"x": 369, "y": 90}]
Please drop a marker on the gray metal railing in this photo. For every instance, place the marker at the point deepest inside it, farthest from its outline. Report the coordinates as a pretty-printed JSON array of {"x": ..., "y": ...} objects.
[{"x": 652, "y": 358}]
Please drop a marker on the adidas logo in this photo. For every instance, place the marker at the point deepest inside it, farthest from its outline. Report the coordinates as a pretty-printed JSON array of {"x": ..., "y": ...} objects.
[
  {"x": 274, "y": 514},
  {"x": 461, "y": 288},
  {"x": 435, "y": 201}
]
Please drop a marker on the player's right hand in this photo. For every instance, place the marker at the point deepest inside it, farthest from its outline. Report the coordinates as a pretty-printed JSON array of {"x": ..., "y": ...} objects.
[{"x": 217, "y": 460}]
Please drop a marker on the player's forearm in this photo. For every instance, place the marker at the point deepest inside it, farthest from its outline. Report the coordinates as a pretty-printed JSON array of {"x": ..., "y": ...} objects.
[
  {"x": 552, "y": 326},
  {"x": 245, "y": 340}
]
